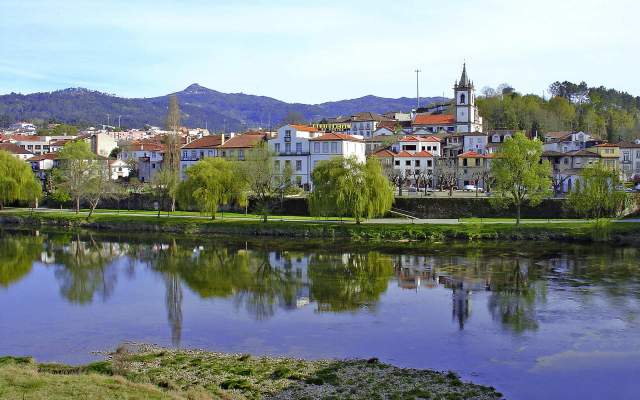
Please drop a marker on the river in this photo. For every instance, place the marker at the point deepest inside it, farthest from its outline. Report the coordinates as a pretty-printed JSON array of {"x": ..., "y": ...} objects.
[{"x": 552, "y": 321}]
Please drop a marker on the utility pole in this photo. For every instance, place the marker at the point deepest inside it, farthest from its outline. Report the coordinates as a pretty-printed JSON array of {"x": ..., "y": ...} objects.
[
  {"x": 119, "y": 116},
  {"x": 108, "y": 119},
  {"x": 417, "y": 71}
]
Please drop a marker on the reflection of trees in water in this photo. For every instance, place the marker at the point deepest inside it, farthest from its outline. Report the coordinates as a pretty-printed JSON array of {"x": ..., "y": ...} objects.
[
  {"x": 514, "y": 291},
  {"x": 347, "y": 282},
  {"x": 85, "y": 268},
  {"x": 17, "y": 255}
]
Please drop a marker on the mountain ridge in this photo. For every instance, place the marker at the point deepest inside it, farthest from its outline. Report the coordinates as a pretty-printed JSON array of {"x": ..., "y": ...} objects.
[{"x": 200, "y": 106}]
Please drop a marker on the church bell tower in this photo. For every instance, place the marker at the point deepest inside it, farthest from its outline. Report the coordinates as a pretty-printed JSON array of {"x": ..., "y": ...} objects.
[{"x": 467, "y": 117}]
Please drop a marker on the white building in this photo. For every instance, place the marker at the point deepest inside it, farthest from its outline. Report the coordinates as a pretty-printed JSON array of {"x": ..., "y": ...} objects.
[
  {"x": 566, "y": 141},
  {"x": 301, "y": 147},
  {"x": 630, "y": 159},
  {"x": 475, "y": 141},
  {"x": 146, "y": 156},
  {"x": 102, "y": 144},
  {"x": 118, "y": 169},
  {"x": 414, "y": 144},
  {"x": 365, "y": 123}
]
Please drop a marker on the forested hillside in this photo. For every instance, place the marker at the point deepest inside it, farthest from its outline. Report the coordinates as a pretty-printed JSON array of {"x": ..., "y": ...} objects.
[{"x": 607, "y": 113}]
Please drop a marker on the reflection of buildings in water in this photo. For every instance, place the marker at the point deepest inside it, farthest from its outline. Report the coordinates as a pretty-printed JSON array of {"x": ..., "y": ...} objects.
[
  {"x": 414, "y": 272},
  {"x": 295, "y": 267},
  {"x": 173, "y": 300}
]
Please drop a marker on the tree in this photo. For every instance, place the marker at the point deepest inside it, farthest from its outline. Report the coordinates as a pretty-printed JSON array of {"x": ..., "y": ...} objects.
[
  {"x": 284, "y": 182},
  {"x": 259, "y": 176},
  {"x": 98, "y": 184},
  {"x": 448, "y": 173},
  {"x": 596, "y": 193},
  {"x": 211, "y": 183},
  {"x": 520, "y": 176},
  {"x": 164, "y": 185},
  {"x": 347, "y": 187},
  {"x": 171, "y": 158},
  {"x": 76, "y": 160},
  {"x": 17, "y": 182}
]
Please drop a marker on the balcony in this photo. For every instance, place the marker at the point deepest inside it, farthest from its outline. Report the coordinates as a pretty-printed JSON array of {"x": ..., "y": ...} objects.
[{"x": 293, "y": 153}]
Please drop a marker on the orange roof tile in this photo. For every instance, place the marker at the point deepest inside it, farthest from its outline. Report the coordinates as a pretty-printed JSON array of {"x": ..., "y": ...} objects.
[
  {"x": 433, "y": 119},
  {"x": 205, "y": 142},
  {"x": 13, "y": 148},
  {"x": 384, "y": 153},
  {"x": 471, "y": 154},
  {"x": 244, "y": 141},
  {"x": 304, "y": 128}
]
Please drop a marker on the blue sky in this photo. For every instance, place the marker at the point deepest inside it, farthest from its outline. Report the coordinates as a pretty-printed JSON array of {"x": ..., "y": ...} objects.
[{"x": 315, "y": 51}]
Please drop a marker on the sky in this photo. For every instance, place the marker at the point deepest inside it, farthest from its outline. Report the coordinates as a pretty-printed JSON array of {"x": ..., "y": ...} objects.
[{"x": 315, "y": 51}]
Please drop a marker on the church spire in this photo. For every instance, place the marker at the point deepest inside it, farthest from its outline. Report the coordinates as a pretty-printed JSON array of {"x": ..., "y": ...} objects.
[{"x": 464, "y": 80}]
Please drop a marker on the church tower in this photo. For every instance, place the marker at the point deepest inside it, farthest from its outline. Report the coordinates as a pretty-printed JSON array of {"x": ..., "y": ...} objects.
[{"x": 467, "y": 117}]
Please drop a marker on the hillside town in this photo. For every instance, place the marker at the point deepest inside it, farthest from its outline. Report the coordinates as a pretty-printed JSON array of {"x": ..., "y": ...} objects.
[{"x": 441, "y": 147}]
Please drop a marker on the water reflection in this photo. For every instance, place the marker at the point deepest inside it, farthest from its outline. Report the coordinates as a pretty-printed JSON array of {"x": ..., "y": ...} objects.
[{"x": 262, "y": 279}]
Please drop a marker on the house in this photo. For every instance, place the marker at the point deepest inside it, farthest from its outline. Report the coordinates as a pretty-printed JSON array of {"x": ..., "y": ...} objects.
[
  {"x": 292, "y": 148},
  {"x": 236, "y": 147},
  {"x": 609, "y": 154},
  {"x": 102, "y": 144},
  {"x": 414, "y": 165},
  {"x": 41, "y": 164},
  {"x": 475, "y": 141},
  {"x": 16, "y": 151},
  {"x": 194, "y": 151},
  {"x": 331, "y": 145},
  {"x": 474, "y": 169},
  {"x": 567, "y": 167},
  {"x": 413, "y": 144},
  {"x": 144, "y": 156},
  {"x": 365, "y": 123},
  {"x": 434, "y": 123},
  {"x": 565, "y": 141},
  {"x": 35, "y": 144},
  {"x": 118, "y": 169},
  {"x": 629, "y": 159}
]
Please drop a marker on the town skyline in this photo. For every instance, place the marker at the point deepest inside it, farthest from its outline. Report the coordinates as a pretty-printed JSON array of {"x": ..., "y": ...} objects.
[{"x": 313, "y": 53}]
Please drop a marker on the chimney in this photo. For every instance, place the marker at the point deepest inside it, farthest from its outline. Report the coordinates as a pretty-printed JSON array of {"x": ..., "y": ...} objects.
[{"x": 222, "y": 139}]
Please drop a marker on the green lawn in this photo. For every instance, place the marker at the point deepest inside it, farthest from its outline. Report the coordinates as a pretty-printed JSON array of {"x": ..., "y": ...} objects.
[{"x": 523, "y": 220}]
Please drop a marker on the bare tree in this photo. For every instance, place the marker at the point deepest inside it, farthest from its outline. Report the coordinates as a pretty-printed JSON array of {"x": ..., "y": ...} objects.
[{"x": 448, "y": 173}]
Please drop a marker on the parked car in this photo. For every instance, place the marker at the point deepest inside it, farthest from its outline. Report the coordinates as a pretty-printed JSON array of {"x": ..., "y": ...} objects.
[
  {"x": 471, "y": 188},
  {"x": 412, "y": 189}
]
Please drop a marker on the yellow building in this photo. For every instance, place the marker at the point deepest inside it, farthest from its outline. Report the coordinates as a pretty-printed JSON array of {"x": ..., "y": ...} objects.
[
  {"x": 339, "y": 124},
  {"x": 609, "y": 153}
]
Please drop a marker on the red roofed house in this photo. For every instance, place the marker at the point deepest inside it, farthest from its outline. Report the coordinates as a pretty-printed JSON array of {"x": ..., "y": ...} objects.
[
  {"x": 414, "y": 144},
  {"x": 16, "y": 151},
  {"x": 194, "y": 151},
  {"x": 236, "y": 147},
  {"x": 145, "y": 156},
  {"x": 365, "y": 123}
]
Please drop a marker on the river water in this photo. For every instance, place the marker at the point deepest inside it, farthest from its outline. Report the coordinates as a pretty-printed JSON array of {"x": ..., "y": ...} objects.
[{"x": 551, "y": 321}]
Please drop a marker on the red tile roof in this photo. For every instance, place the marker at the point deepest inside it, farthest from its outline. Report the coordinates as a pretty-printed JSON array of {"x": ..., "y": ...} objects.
[
  {"x": 337, "y": 136},
  {"x": 244, "y": 141},
  {"x": 147, "y": 146},
  {"x": 28, "y": 138},
  {"x": 433, "y": 119},
  {"x": 471, "y": 154},
  {"x": 384, "y": 153},
  {"x": 607, "y": 145},
  {"x": 423, "y": 153},
  {"x": 205, "y": 142},
  {"x": 47, "y": 156},
  {"x": 304, "y": 128},
  {"x": 13, "y": 148},
  {"x": 412, "y": 138}
]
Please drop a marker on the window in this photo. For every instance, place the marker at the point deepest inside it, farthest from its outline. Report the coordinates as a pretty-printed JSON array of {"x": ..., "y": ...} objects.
[
  {"x": 287, "y": 164},
  {"x": 407, "y": 163},
  {"x": 334, "y": 147},
  {"x": 277, "y": 147},
  {"x": 153, "y": 165},
  {"x": 397, "y": 162},
  {"x": 463, "y": 98},
  {"x": 464, "y": 162},
  {"x": 417, "y": 163},
  {"x": 325, "y": 147},
  {"x": 298, "y": 165},
  {"x": 298, "y": 147},
  {"x": 201, "y": 154},
  {"x": 477, "y": 162},
  {"x": 287, "y": 133},
  {"x": 241, "y": 154},
  {"x": 316, "y": 147},
  {"x": 184, "y": 154},
  {"x": 626, "y": 156},
  {"x": 287, "y": 147},
  {"x": 429, "y": 163}
]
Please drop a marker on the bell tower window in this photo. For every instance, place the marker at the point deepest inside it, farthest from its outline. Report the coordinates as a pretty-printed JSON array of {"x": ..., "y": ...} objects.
[{"x": 462, "y": 98}]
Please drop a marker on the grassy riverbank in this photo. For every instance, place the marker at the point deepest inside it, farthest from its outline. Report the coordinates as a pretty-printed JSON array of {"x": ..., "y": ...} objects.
[
  {"x": 155, "y": 373},
  {"x": 570, "y": 230}
]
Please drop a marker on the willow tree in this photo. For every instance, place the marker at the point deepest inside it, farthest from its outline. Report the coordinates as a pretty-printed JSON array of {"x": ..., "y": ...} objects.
[
  {"x": 347, "y": 187},
  {"x": 520, "y": 176},
  {"x": 596, "y": 193},
  {"x": 17, "y": 182},
  {"x": 211, "y": 183}
]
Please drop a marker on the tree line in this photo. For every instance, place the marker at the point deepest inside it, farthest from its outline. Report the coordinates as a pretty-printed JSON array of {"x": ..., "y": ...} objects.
[{"x": 607, "y": 113}]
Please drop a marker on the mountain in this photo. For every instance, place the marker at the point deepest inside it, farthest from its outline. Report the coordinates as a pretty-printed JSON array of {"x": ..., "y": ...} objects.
[{"x": 199, "y": 106}]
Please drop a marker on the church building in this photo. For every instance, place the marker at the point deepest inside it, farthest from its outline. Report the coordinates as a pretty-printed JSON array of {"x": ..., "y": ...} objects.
[{"x": 464, "y": 119}]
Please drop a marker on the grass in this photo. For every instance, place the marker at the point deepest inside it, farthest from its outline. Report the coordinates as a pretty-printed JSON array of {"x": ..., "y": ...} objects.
[
  {"x": 523, "y": 220},
  {"x": 156, "y": 373},
  {"x": 567, "y": 230}
]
